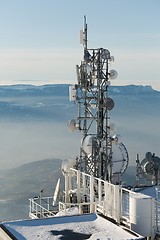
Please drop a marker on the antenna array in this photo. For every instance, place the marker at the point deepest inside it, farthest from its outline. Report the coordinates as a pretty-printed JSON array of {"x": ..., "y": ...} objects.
[{"x": 94, "y": 105}]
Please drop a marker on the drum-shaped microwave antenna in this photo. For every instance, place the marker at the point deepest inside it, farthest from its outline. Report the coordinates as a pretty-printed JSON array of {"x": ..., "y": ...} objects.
[
  {"x": 113, "y": 74},
  {"x": 72, "y": 125},
  {"x": 105, "y": 54},
  {"x": 89, "y": 144},
  {"x": 109, "y": 104},
  {"x": 150, "y": 166}
]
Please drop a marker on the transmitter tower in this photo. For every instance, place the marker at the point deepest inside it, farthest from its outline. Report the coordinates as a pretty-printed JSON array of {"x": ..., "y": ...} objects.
[{"x": 99, "y": 147}]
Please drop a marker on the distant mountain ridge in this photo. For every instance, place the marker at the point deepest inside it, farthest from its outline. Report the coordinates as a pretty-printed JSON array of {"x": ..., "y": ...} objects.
[
  {"x": 30, "y": 90},
  {"x": 62, "y": 90},
  {"x": 133, "y": 89}
]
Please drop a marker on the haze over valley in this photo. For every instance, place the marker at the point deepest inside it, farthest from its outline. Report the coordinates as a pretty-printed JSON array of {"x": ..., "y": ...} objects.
[{"x": 34, "y": 137}]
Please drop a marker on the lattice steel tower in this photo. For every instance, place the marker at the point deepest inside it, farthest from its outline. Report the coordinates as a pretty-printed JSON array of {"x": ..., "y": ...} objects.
[{"x": 94, "y": 104}]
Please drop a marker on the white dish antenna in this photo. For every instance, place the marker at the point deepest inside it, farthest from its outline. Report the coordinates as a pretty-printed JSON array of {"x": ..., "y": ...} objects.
[
  {"x": 72, "y": 125},
  {"x": 56, "y": 192},
  {"x": 113, "y": 74},
  {"x": 150, "y": 166},
  {"x": 120, "y": 158},
  {"x": 89, "y": 144}
]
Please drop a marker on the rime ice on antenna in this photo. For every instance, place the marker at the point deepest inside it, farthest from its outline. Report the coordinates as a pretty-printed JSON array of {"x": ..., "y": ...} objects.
[
  {"x": 91, "y": 96},
  {"x": 83, "y": 34}
]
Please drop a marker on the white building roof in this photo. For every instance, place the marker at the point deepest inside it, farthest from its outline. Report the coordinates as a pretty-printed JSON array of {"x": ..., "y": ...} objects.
[{"x": 80, "y": 227}]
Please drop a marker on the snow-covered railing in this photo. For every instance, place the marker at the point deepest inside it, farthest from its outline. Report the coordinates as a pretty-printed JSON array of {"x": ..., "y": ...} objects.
[
  {"x": 102, "y": 195},
  {"x": 134, "y": 210},
  {"x": 41, "y": 207},
  {"x": 78, "y": 208},
  {"x": 86, "y": 194}
]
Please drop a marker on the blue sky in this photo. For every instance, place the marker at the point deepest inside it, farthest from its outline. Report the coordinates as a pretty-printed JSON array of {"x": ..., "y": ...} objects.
[{"x": 39, "y": 39}]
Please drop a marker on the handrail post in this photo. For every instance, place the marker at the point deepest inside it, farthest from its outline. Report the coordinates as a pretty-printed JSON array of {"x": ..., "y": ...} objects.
[{"x": 91, "y": 194}]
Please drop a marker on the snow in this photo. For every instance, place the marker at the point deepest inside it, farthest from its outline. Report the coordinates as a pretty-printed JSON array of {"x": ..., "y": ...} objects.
[{"x": 79, "y": 227}]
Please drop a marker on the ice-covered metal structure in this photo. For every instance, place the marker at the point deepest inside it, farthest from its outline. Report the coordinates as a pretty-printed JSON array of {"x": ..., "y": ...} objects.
[
  {"x": 92, "y": 181},
  {"x": 148, "y": 170},
  {"x": 102, "y": 154}
]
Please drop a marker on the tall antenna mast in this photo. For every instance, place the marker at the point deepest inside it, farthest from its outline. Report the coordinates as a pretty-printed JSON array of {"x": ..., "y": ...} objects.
[
  {"x": 94, "y": 105},
  {"x": 85, "y": 33}
]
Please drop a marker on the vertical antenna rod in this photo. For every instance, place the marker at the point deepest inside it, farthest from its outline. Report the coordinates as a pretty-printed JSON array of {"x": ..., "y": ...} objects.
[{"x": 85, "y": 33}]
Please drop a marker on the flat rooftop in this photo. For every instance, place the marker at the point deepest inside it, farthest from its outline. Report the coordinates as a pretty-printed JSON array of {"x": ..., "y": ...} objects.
[{"x": 79, "y": 227}]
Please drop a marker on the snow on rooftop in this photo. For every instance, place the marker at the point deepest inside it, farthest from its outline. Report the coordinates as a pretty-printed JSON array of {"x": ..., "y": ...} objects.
[{"x": 80, "y": 227}]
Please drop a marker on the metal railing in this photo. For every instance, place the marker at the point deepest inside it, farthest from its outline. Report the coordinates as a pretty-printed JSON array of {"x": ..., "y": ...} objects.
[
  {"x": 41, "y": 207},
  {"x": 78, "y": 208},
  {"x": 96, "y": 195}
]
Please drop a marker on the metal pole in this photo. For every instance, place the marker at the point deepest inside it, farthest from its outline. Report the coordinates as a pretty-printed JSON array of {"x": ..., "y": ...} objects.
[
  {"x": 41, "y": 203},
  {"x": 156, "y": 189}
]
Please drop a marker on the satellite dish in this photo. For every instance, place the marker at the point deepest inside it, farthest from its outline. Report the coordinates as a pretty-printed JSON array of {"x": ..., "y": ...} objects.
[
  {"x": 113, "y": 74},
  {"x": 150, "y": 166},
  {"x": 89, "y": 144},
  {"x": 56, "y": 192},
  {"x": 120, "y": 158},
  {"x": 72, "y": 125},
  {"x": 105, "y": 54},
  {"x": 109, "y": 104}
]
